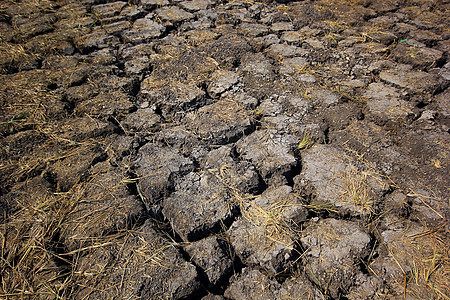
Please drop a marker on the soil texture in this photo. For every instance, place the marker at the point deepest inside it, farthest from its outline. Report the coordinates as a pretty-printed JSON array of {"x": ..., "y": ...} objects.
[{"x": 216, "y": 149}]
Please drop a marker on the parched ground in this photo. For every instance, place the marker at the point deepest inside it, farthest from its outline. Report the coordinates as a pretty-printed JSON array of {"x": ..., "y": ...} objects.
[{"x": 202, "y": 149}]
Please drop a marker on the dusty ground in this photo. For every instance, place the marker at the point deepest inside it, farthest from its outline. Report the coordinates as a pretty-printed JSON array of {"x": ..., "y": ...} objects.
[{"x": 201, "y": 149}]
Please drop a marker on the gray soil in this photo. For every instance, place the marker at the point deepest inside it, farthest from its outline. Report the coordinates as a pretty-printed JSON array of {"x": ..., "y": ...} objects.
[{"x": 226, "y": 149}]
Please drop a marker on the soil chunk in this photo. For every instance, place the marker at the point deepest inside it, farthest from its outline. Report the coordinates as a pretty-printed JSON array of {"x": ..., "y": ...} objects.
[
  {"x": 156, "y": 167},
  {"x": 211, "y": 256},
  {"x": 337, "y": 181},
  {"x": 341, "y": 244},
  {"x": 201, "y": 205},
  {"x": 111, "y": 208},
  {"x": 220, "y": 123},
  {"x": 266, "y": 234},
  {"x": 270, "y": 153},
  {"x": 156, "y": 270},
  {"x": 254, "y": 285}
]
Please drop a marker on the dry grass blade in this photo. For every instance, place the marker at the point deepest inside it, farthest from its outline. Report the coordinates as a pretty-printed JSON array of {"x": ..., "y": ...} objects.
[
  {"x": 357, "y": 191},
  {"x": 14, "y": 53},
  {"x": 430, "y": 254},
  {"x": 277, "y": 229},
  {"x": 424, "y": 261},
  {"x": 29, "y": 265},
  {"x": 306, "y": 142}
]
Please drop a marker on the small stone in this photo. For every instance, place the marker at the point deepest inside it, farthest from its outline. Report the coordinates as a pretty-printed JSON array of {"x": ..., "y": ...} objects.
[{"x": 428, "y": 115}]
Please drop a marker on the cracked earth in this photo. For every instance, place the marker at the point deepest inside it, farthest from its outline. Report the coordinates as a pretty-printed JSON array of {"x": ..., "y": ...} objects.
[{"x": 202, "y": 149}]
